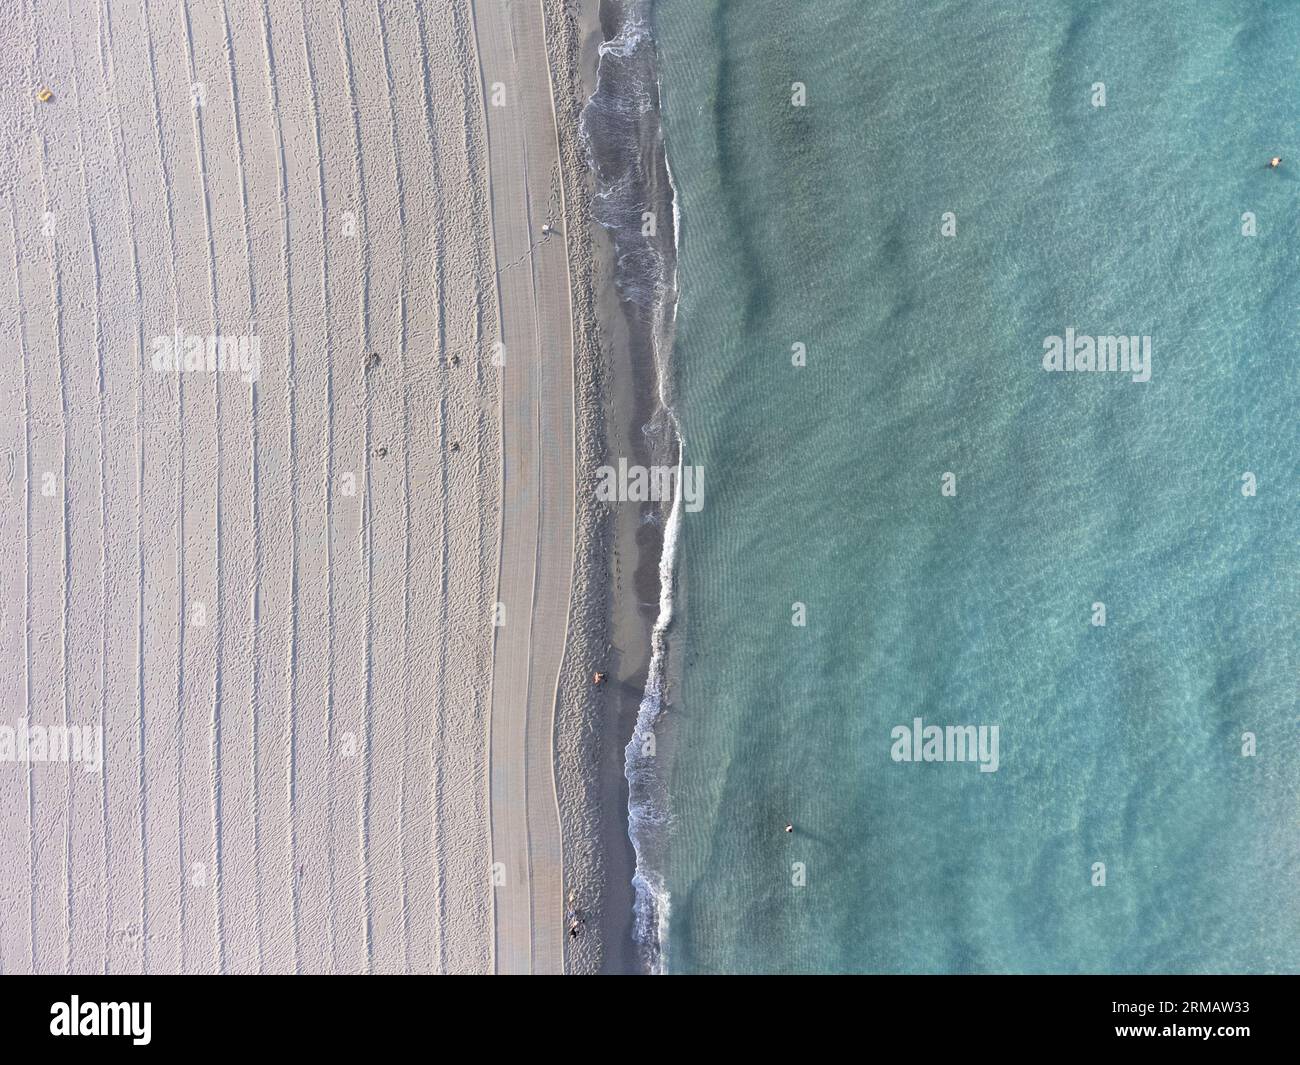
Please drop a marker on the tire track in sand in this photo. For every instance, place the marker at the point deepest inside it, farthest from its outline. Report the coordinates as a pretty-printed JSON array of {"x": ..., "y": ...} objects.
[{"x": 535, "y": 574}]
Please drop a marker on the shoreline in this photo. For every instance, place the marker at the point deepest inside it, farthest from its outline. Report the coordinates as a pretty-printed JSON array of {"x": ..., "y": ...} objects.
[
  {"x": 616, "y": 599},
  {"x": 336, "y": 746}
]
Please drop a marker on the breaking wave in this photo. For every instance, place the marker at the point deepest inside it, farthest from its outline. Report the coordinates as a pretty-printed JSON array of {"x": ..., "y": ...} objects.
[{"x": 635, "y": 201}]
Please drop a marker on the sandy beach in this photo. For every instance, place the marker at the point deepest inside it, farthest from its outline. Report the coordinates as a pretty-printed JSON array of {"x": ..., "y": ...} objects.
[{"x": 272, "y": 488}]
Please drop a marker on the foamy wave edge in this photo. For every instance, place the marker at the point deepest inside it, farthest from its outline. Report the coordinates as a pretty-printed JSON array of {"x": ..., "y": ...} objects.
[
  {"x": 653, "y": 903},
  {"x": 647, "y": 798}
]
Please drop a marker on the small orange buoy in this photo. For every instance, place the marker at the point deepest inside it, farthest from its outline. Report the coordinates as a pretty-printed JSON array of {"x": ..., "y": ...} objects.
[{"x": 45, "y": 96}]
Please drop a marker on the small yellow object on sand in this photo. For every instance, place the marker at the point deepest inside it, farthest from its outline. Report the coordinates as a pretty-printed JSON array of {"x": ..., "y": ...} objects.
[{"x": 45, "y": 96}]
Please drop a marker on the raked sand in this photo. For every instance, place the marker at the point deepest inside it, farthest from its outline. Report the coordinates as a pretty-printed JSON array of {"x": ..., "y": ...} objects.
[{"x": 275, "y": 599}]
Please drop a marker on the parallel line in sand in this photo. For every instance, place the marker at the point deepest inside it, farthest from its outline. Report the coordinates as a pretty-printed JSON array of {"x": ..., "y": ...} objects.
[
  {"x": 474, "y": 149},
  {"x": 27, "y": 581},
  {"x": 328, "y": 459},
  {"x": 496, "y": 298},
  {"x": 470, "y": 36},
  {"x": 56, "y": 308},
  {"x": 440, "y": 664},
  {"x": 255, "y": 513},
  {"x": 291, "y": 643},
  {"x": 397, "y": 183},
  {"x": 141, "y": 205},
  {"x": 366, "y": 532},
  {"x": 218, "y": 639},
  {"x": 103, "y": 530},
  {"x": 101, "y": 17},
  {"x": 104, "y": 567},
  {"x": 166, "y": 186},
  {"x": 403, "y": 312},
  {"x": 56, "y": 313},
  {"x": 128, "y": 215},
  {"x": 11, "y": 320}
]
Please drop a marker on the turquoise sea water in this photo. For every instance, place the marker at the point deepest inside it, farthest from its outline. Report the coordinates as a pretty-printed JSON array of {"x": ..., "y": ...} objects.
[{"x": 1120, "y": 744}]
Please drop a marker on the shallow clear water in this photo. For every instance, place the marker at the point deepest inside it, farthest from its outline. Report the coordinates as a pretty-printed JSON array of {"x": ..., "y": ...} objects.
[{"x": 1119, "y": 744}]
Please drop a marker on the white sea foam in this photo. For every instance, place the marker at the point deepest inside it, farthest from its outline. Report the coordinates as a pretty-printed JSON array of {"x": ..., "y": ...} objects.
[
  {"x": 647, "y": 812},
  {"x": 630, "y": 35},
  {"x": 622, "y": 178}
]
